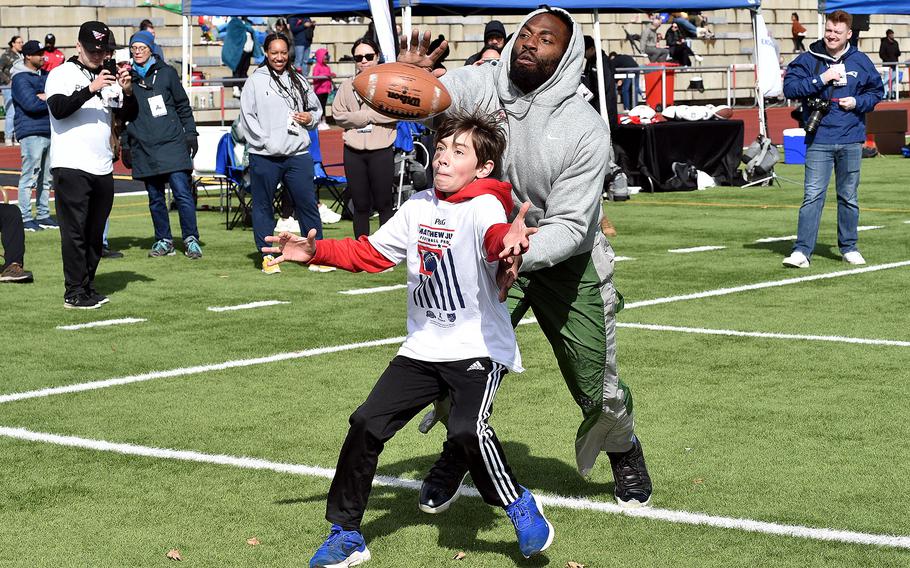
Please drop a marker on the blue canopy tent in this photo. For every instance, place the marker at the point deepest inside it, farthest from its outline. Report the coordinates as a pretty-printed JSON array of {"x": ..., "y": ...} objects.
[
  {"x": 274, "y": 7},
  {"x": 865, "y": 6}
]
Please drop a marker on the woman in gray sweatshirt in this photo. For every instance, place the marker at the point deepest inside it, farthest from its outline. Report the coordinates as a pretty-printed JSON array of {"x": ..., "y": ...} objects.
[{"x": 277, "y": 109}]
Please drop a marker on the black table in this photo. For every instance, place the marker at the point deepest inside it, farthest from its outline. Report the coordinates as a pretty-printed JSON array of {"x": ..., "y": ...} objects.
[{"x": 646, "y": 152}]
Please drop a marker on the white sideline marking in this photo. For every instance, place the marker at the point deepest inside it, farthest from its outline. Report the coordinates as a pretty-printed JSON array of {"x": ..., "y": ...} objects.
[
  {"x": 320, "y": 351},
  {"x": 767, "y": 335},
  {"x": 793, "y": 237},
  {"x": 194, "y": 370},
  {"x": 575, "y": 503},
  {"x": 102, "y": 323},
  {"x": 249, "y": 306},
  {"x": 760, "y": 285},
  {"x": 907, "y": 222},
  {"x": 373, "y": 290},
  {"x": 776, "y": 239},
  {"x": 622, "y": 258},
  {"x": 695, "y": 249}
]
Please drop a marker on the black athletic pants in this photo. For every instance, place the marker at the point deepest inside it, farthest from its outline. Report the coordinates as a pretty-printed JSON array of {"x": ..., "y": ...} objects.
[
  {"x": 370, "y": 175},
  {"x": 12, "y": 234},
  {"x": 83, "y": 203},
  {"x": 403, "y": 390}
]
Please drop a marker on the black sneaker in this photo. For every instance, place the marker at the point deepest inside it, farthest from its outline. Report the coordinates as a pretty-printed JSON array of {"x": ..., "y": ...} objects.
[
  {"x": 98, "y": 297},
  {"x": 442, "y": 485},
  {"x": 630, "y": 476},
  {"x": 108, "y": 253},
  {"x": 81, "y": 302}
]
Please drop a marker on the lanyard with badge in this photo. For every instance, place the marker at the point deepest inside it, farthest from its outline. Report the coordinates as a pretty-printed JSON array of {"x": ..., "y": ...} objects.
[
  {"x": 156, "y": 102},
  {"x": 293, "y": 102}
]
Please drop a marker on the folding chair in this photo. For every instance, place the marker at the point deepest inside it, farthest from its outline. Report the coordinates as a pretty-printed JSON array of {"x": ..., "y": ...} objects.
[
  {"x": 321, "y": 179},
  {"x": 232, "y": 175},
  {"x": 205, "y": 176}
]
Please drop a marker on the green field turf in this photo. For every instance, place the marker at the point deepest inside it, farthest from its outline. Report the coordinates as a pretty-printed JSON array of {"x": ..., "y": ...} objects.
[{"x": 791, "y": 432}]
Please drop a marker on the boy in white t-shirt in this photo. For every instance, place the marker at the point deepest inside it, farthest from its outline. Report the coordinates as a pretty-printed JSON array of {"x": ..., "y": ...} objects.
[{"x": 460, "y": 338}]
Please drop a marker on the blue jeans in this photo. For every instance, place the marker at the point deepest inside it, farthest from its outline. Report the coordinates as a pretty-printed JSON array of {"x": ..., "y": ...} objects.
[
  {"x": 36, "y": 172},
  {"x": 296, "y": 172},
  {"x": 627, "y": 88},
  {"x": 686, "y": 25},
  {"x": 186, "y": 208},
  {"x": 8, "y": 128},
  {"x": 301, "y": 56},
  {"x": 821, "y": 159}
]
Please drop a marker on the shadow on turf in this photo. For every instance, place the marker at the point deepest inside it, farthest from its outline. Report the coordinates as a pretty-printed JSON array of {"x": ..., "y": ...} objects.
[
  {"x": 784, "y": 248},
  {"x": 110, "y": 282},
  {"x": 459, "y": 527},
  {"x": 391, "y": 509}
]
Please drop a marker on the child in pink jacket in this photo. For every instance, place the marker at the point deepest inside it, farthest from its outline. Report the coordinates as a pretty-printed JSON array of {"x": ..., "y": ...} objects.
[{"x": 322, "y": 73}]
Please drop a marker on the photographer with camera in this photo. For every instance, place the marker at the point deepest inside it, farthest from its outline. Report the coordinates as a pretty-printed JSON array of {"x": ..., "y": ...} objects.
[
  {"x": 83, "y": 96},
  {"x": 838, "y": 85}
]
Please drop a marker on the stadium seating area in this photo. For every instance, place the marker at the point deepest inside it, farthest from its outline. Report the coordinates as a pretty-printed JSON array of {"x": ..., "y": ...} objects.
[{"x": 733, "y": 43}]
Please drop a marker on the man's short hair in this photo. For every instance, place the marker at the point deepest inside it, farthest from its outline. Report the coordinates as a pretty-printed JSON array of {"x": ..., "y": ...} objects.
[
  {"x": 840, "y": 17},
  {"x": 485, "y": 130},
  {"x": 146, "y": 24},
  {"x": 889, "y": 32},
  {"x": 564, "y": 17}
]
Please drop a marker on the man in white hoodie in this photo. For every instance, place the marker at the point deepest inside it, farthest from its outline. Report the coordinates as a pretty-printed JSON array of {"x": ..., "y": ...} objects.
[{"x": 557, "y": 158}]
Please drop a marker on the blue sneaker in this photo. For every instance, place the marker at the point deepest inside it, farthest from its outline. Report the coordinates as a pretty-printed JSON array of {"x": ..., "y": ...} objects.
[
  {"x": 48, "y": 223},
  {"x": 341, "y": 548},
  {"x": 32, "y": 226},
  {"x": 534, "y": 531}
]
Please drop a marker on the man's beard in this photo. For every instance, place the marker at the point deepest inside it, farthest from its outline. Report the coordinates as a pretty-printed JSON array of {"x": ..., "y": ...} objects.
[{"x": 530, "y": 79}]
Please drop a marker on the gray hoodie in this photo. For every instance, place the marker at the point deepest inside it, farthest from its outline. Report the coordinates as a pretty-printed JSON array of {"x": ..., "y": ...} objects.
[
  {"x": 264, "y": 110},
  {"x": 558, "y": 148}
]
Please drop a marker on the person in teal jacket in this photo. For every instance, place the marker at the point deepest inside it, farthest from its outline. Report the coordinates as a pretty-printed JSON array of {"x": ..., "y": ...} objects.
[{"x": 240, "y": 48}]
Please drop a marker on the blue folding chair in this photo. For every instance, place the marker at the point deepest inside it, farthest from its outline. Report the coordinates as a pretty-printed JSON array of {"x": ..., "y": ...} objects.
[
  {"x": 321, "y": 179},
  {"x": 233, "y": 176}
]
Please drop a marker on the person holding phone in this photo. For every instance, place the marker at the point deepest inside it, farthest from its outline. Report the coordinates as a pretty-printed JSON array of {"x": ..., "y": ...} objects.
[
  {"x": 82, "y": 157},
  {"x": 277, "y": 108},
  {"x": 159, "y": 146}
]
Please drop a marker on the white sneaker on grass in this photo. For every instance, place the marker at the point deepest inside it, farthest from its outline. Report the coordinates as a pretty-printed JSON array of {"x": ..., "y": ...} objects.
[
  {"x": 797, "y": 260},
  {"x": 854, "y": 257},
  {"x": 327, "y": 216}
]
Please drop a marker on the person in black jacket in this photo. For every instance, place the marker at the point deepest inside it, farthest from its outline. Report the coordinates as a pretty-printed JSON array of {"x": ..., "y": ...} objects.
[
  {"x": 889, "y": 50},
  {"x": 161, "y": 143}
]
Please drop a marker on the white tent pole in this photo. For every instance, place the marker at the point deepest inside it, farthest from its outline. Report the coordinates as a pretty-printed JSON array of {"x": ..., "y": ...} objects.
[
  {"x": 406, "y": 20},
  {"x": 185, "y": 55},
  {"x": 821, "y": 25},
  {"x": 759, "y": 96},
  {"x": 382, "y": 23},
  {"x": 598, "y": 54}
]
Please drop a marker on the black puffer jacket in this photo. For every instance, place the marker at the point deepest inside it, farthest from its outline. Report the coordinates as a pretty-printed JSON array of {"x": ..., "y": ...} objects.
[{"x": 160, "y": 144}]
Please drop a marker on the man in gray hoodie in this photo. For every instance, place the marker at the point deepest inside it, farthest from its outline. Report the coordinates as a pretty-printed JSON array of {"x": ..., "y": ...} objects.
[{"x": 557, "y": 156}]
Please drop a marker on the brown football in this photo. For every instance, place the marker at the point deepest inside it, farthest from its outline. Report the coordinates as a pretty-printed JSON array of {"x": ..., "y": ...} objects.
[
  {"x": 401, "y": 90},
  {"x": 724, "y": 112}
]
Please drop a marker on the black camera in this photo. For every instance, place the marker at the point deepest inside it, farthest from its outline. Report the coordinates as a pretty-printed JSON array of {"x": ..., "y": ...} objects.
[{"x": 818, "y": 108}]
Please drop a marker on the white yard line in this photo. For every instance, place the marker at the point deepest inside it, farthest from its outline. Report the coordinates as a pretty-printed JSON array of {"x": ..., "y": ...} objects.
[
  {"x": 194, "y": 370},
  {"x": 776, "y": 239},
  {"x": 358, "y": 291},
  {"x": 392, "y": 340},
  {"x": 573, "y": 503},
  {"x": 102, "y": 323},
  {"x": 695, "y": 249},
  {"x": 250, "y": 306},
  {"x": 761, "y": 285},
  {"x": 734, "y": 333},
  {"x": 793, "y": 237},
  {"x": 622, "y": 258}
]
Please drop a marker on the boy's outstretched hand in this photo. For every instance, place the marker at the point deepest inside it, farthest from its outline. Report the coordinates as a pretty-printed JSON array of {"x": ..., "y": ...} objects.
[
  {"x": 291, "y": 247},
  {"x": 515, "y": 242}
]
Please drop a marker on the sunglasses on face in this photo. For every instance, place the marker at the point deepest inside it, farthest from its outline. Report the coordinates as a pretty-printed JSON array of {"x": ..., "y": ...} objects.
[{"x": 366, "y": 56}]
